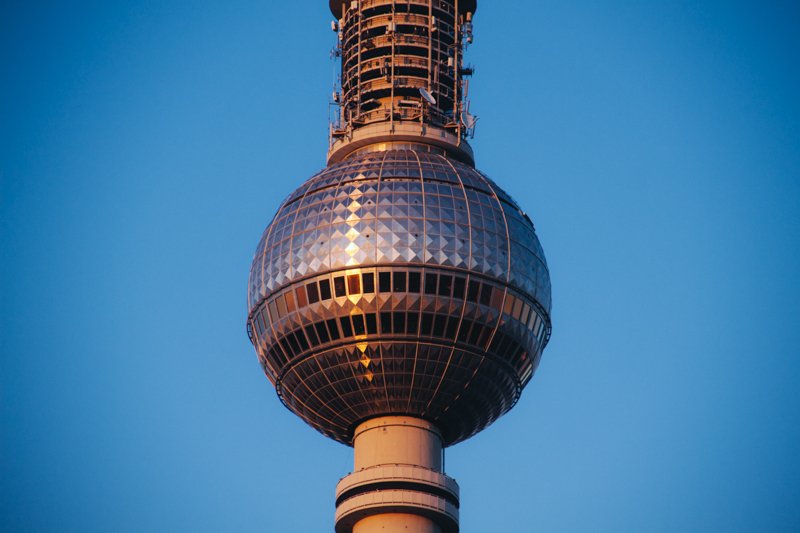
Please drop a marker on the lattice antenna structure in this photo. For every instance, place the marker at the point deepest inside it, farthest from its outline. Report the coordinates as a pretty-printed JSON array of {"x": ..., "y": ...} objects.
[
  {"x": 399, "y": 300},
  {"x": 403, "y": 74}
]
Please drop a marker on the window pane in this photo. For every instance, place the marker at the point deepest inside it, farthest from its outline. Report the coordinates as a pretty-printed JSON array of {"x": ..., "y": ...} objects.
[
  {"x": 347, "y": 329},
  {"x": 290, "y": 301},
  {"x": 459, "y": 284},
  {"x": 385, "y": 281},
  {"x": 301, "y": 339},
  {"x": 281, "y": 306},
  {"x": 322, "y": 332},
  {"x": 427, "y": 324},
  {"x": 525, "y": 314},
  {"x": 430, "y": 283},
  {"x": 358, "y": 324},
  {"x": 411, "y": 323},
  {"x": 386, "y": 322},
  {"x": 413, "y": 282},
  {"x": 312, "y": 335},
  {"x": 372, "y": 324},
  {"x": 354, "y": 284},
  {"x": 472, "y": 294},
  {"x": 313, "y": 292},
  {"x": 438, "y": 325},
  {"x": 325, "y": 289},
  {"x": 509, "y": 305},
  {"x": 452, "y": 324},
  {"x": 399, "y": 322},
  {"x": 399, "y": 282},
  {"x": 445, "y": 285},
  {"x": 517, "y": 309},
  {"x": 302, "y": 300},
  {"x": 338, "y": 286},
  {"x": 486, "y": 294},
  {"x": 333, "y": 329},
  {"x": 369, "y": 282}
]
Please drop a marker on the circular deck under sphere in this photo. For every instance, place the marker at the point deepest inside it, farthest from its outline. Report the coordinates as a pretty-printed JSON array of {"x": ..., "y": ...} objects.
[{"x": 399, "y": 282}]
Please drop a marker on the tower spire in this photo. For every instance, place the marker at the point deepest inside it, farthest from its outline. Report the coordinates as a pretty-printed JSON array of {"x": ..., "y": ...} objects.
[{"x": 402, "y": 76}]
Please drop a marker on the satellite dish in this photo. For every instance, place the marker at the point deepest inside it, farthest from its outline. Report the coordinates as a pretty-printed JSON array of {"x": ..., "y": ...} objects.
[
  {"x": 427, "y": 96},
  {"x": 468, "y": 120}
]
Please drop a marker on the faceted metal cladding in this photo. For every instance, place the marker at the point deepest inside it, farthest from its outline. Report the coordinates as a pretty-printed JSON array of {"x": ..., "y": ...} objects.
[{"x": 399, "y": 282}]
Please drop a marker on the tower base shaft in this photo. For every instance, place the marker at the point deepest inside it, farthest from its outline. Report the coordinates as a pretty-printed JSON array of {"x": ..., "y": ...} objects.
[{"x": 397, "y": 484}]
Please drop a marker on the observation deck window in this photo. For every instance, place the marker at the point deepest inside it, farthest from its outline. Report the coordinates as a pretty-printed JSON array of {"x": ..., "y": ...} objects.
[
  {"x": 339, "y": 286},
  {"x": 325, "y": 289},
  {"x": 385, "y": 281},
  {"x": 413, "y": 282},
  {"x": 353, "y": 284},
  {"x": 399, "y": 282},
  {"x": 313, "y": 292},
  {"x": 430, "y": 283},
  {"x": 369, "y": 282},
  {"x": 333, "y": 329}
]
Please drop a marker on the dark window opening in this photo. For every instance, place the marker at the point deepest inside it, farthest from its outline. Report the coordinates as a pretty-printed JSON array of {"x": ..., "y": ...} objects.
[
  {"x": 496, "y": 341},
  {"x": 301, "y": 339},
  {"x": 347, "y": 329},
  {"x": 427, "y": 324},
  {"x": 399, "y": 322},
  {"x": 369, "y": 283},
  {"x": 322, "y": 332},
  {"x": 463, "y": 333},
  {"x": 386, "y": 322},
  {"x": 484, "y": 338},
  {"x": 459, "y": 285},
  {"x": 358, "y": 324},
  {"x": 325, "y": 289},
  {"x": 333, "y": 329},
  {"x": 372, "y": 324},
  {"x": 472, "y": 293},
  {"x": 385, "y": 281},
  {"x": 413, "y": 281},
  {"x": 312, "y": 335},
  {"x": 313, "y": 292},
  {"x": 452, "y": 325},
  {"x": 445, "y": 285},
  {"x": 286, "y": 347},
  {"x": 338, "y": 286},
  {"x": 399, "y": 282},
  {"x": 412, "y": 323},
  {"x": 486, "y": 294},
  {"x": 430, "y": 283},
  {"x": 438, "y": 325}
]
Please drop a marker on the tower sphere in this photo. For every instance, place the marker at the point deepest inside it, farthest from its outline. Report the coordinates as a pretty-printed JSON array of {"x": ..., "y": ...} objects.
[{"x": 399, "y": 281}]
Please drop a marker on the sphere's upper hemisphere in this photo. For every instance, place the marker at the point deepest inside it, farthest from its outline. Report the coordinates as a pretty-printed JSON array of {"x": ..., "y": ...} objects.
[{"x": 399, "y": 282}]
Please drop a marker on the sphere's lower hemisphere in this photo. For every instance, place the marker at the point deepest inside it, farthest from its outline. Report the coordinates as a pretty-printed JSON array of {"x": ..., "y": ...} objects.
[
  {"x": 400, "y": 283},
  {"x": 398, "y": 378}
]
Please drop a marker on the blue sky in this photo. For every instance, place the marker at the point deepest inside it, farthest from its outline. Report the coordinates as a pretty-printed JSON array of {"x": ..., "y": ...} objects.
[{"x": 145, "y": 145}]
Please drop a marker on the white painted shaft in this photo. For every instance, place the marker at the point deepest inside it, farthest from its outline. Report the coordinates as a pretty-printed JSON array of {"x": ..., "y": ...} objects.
[
  {"x": 397, "y": 440},
  {"x": 396, "y": 523}
]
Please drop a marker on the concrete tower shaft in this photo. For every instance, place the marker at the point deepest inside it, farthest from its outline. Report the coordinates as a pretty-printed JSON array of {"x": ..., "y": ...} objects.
[
  {"x": 397, "y": 484},
  {"x": 402, "y": 74}
]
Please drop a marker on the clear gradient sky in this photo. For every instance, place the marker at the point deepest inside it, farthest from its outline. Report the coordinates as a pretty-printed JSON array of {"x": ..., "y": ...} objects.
[{"x": 145, "y": 145}]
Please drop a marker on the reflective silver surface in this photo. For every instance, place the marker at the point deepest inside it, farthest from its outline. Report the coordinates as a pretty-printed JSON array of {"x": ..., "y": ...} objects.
[{"x": 399, "y": 282}]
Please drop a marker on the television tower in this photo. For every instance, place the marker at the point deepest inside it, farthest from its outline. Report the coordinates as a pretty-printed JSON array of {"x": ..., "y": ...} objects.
[{"x": 399, "y": 301}]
